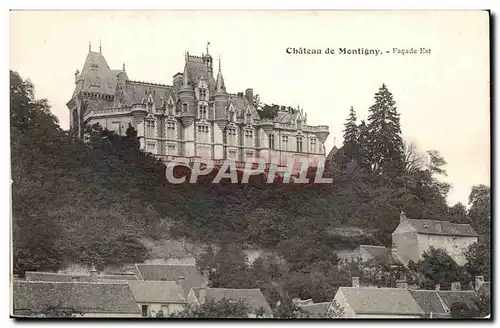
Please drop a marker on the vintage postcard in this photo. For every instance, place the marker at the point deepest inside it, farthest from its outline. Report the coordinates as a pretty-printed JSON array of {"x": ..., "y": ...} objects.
[{"x": 250, "y": 164}]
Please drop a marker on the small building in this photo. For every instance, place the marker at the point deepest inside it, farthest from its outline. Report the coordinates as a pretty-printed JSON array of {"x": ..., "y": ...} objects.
[
  {"x": 258, "y": 306},
  {"x": 187, "y": 276},
  {"x": 368, "y": 302},
  {"x": 413, "y": 237},
  {"x": 316, "y": 310},
  {"x": 158, "y": 298},
  {"x": 64, "y": 277},
  {"x": 87, "y": 299}
]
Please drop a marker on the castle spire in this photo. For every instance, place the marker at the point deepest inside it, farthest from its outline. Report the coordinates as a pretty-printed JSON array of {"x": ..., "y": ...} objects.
[
  {"x": 100, "y": 46},
  {"x": 208, "y": 43},
  {"x": 185, "y": 77},
  {"x": 220, "y": 87},
  {"x": 90, "y": 46}
]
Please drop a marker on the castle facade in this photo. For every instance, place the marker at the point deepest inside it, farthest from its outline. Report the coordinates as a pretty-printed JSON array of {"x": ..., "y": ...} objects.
[{"x": 195, "y": 117}]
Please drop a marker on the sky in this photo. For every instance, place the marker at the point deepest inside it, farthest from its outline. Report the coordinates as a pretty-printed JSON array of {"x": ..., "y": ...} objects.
[{"x": 443, "y": 97}]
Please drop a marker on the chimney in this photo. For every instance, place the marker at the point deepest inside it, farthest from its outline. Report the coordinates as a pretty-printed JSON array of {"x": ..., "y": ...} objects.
[
  {"x": 240, "y": 94},
  {"x": 180, "y": 280},
  {"x": 355, "y": 282},
  {"x": 402, "y": 216},
  {"x": 249, "y": 95},
  {"x": 455, "y": 286},
  {"x": 401, "y": 283},
  {"x": 203, "y": 294},
  {"x": 93, "y": 274},
  {"x": 479, "y": 281},
  {"x": 437, "y": 288}
]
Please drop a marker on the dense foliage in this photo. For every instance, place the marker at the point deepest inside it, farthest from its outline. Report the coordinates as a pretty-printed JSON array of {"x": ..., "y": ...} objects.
[{"x": 95, "y": 201}]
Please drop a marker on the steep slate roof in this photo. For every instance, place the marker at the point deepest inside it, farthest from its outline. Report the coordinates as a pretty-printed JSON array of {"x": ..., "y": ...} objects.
[
  {"x": 379, "y": 252},
  {"x": 62, "y": 277},
  {"x": 430, "y": 302},
  {"x": 252, "y": 297},
  {"x": 316, "y": 310},
  {"x": 464, "y": 296},
  {"x": 435, "y": 227},
  {"x": 86, "y": 297},
  {"x": 135, "y": 92},
  {"x": 157, "y": 292},
  {"x": 389, "y": 301},
  {"x": 240, "y": 104},
  {"x": 196, "y": 69},
  {"x": 167, "y": 272},
  {"x": 97, "y": 72}
]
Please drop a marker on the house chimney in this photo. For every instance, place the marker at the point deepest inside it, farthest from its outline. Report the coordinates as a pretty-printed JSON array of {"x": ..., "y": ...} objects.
[
  {"x": 355, "y": 282},
  {"x": 437, "y": 288},
  {"x": 93, "y": 274},
  {"x": 479, "y": 281},
  {"x": 455, "y": 286},
  {"x": 249, "y": 95},
  {"x": 180, "y": 280},
  {"x": 402, "y": 216},
  {"x": 401, "y": 283}
]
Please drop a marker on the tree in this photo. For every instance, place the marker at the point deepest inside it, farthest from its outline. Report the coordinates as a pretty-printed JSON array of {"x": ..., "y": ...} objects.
[
  {"x": 437, "y": 267},
  {"x": 224, "y": 308},
  {"x": 351, "y": 136},
  {"x": 478, "y": 260},
  {"x": 462, "y": 310},
  {"x": 480, "y": 210},
  {"x": 458, "y": 213},
  {"x": 384, "y": 133},
  {"x": 413, "y": 160}
]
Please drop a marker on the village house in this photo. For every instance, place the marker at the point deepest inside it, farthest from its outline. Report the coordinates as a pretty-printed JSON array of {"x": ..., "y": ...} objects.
[
  {"x": 402, "y": 301},
  {"x": 87, "y": 299},
  {"x": 63, "y": 277},
  {"x": 158, "y": 298},
  {"x": 413, "y": 237},
  {"x": 258, "y": 306},
  {"x": 187, "y": 276}
]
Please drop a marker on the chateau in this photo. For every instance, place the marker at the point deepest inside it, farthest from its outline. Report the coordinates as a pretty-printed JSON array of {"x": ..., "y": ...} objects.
[{"x": 195, "y": 117}]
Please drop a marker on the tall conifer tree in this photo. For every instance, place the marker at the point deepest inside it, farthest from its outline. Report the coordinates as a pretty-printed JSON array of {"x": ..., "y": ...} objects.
[
  {"x": 384, "y": 133},
  {"x": 351, "y": 147}
]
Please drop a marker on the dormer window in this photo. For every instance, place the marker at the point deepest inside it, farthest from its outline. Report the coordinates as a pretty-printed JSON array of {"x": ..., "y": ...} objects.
[
  {"x": 249, "y": 134},
  {"x": 150, "y": 128},
  {"x": 203, "y": 94}
]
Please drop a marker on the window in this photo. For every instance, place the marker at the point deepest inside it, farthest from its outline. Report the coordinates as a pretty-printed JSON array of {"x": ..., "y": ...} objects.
[
  {"x": 313, "y": 146},
  {"x": 271, "y": 141},
  {"x": 203, "y": 133},
  {"x": 203, "y": 94},
  {"x": 299, "y": 144},
  {"x": 171, "y": 130},
  {"x": 249, "y": 134},
  {"x": 150, "y": 128},
  {"x": 232, "y": 154},
  {"x": 203, "y": 112},
  {"x": 144, "y": 310},
  {"x": 284, "y": 143},
  {"x": 150, "y": 147},
  {"x": 185, "y": 107},
  {"x": 171, "y": 150},
  {"x": 117, "y": 127},
  {"x": 231, "y": 135}
]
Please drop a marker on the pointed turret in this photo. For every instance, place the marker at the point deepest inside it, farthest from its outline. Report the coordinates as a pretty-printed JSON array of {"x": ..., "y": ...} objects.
[
  {"x": 220, "y": 86},
  {"x": 186, "y": 96},
  {"x": 221, "y": 96}
]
